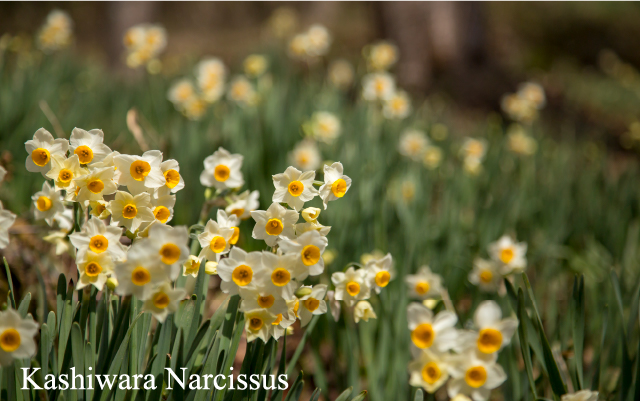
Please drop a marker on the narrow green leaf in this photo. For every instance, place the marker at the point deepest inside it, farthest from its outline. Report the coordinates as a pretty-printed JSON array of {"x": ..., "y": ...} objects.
[
  {"x": 360, "y": 396},
  {"x": 419, "y": 395},
  {"x": 578, "y": 327},
  {"x": 524, "y": 342},
  {"x": 296, "y": 389},
  {"x": 77, "y": 354},
  {"x": 23, "y": 309},
  {"x": 303, "y": 341},
  {"x": 344, "y": 396},
  {"x": 595, "y": 381},
  {"x": 157, "y": 370},
  {"x": 12, "y": 295}
]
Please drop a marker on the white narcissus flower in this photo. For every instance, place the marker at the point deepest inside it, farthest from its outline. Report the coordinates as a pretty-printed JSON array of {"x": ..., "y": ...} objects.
[
  {"x": 429, "y": 331},
  {"x": 214, "y": 241},
  {"x": 510, "y": 254},
  {"x": 582, "y": 395},
  {"x": 42, "y": 148},
  {"x": 306, "y": 155},
  {"x": 380, "y": 272},
  {"x": 95, "y": 185},
  {"x": 56, "y": 32},
  {"x": 325, "y": 126},
  {"x": 109, "y": 162},
  {"x": 171, "y": 171},
  {"x": 258, "y": 324},
  {"x": 140, "y": 173},
  {"x": 278, "y": 274},
  {"x": 424, "y": 284},
  {"x": 130, "y": 211},
  {"x": 312, "y": 304},
  {"x": 258, "y": 298},
  {"x": 99, "y": 209},
  {"x": 16, "y": 337},
  {"x": 274, "y": 223},
  {"x": 222, "y": 170},
  {"x": 493, "y": 331},
  {"x": 99, "y": 238},
  {"x": 340, "y": 74},
  {"x": 336, "y": 184},
  {"x": 485, "y": 275},
  {"x": 255, "y": 65},
  {"x": 64, "y": 171},
  {"x": 319, "y": 40},
  {"x": 378, "y": 86},
  {"x": 474, "y": 149},
  {"x": 381, "y": 56},
  {"x": 191, "y": 266},
  {"x": 229, "y": 221},
  {"x": 429, "y": 369},
  {"x": 181, "y": 91},
  {"x": 294, "y": 187},
  {"x": 93, "y": 269},
  {"x": 163, "y": 301},
  {"x": 239, "y": 270},
  {"x": 48, "y": 204},
  {"x": 432, "y": 157},
  {"x": 211, "y": 75},
  {"x": 308, "y": 249},
  {"x": 171, "y": 244},
  {"x": 241, "y": 91},
  {"x": 242, "y": 205},
  {"x": 284, "y": 321},
  {"x": 351, "y": 286},
  {"x": 6, "y": 221},
  {"x": 413, "y": 144},
  {"x": 162, "y": 203},
  {"x": 302, "y": 228},
  {"x": 475, "y": 375},
  {"x": 141, "y": 273},
  {"x": 363, "y": 311},
  {"x": 88, "y": 145},
  {"x": 397, "y": 106}
]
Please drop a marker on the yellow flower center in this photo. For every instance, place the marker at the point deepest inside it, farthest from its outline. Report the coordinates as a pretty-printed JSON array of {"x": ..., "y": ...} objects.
[
  {"x": 92, "y": 269},
  {"x": 192, "y": 266},
  {"x": 382, "y": 278},
  {"x": 242, "y": 275},
  {"x": 296, "y": 188},
  {"x": 255, "y": 323},
  {"x": 221, "y": 173},
  {"x": 489, "y": 341},
  {"x": 486, "y": 276},
  {"x": 353, "y": 288},
  {"x": 431, "y": 372},
  {"x": 161, "y": 300},
  {"x": 139, "y": 169},
  {"x": 274, "y": 227},
  {"x": 217, "y": 244},
  {"x": 96, "y": 186},
  {"x": 310, "y": 255},
  {"x": 140, "y": 276},
  {"x": 129, "y": 211},
  {"x": 422, "y": 287},
  {"x": 476, "y": 376},
  {"x": 172, "y": 177},
  {"x": 43, "y": 203},
  {"x": 475, "y": 148},
  {"x": 266, "y": 301},
  {"x": 339, "y": 187},
  {"x": 238, "y": 212},
  {"x": 40, "y": 157},
  {"x": 296, "y": 307},
  {"x": 235, "y": 236},
  {"x": 85, "y": 154},
  {"x": 65, "y": 176},
  {"x": 99, "y": 209},
  {"x": 10, "y": 340},
  {"x": 278, "y": 320},
  {"x": 98, "y": 243},
  {"x": 161, "y": 214},
  {"x": 311, "y": 304},
  {"x": 423, "y": 335},
  {"x": 170, "y": 253},
  {"x": 506, "y": 255},
  {"x": 280, "y": 277}
]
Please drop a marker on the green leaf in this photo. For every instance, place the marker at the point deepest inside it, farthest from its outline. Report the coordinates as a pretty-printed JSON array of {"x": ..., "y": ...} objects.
[
  {"x": 419, "y": 395},
  {"x": 578, "y": 327},
  {"x": 627, "y": 363},
  {"x": 524, "y": 342},
  {"x": 303, "y": 341},
  {"x": 157, "y": 370},
  {"x": 360, "y": 396},
  {"x": 77, "y": 353},
  {"x": 23, "y": 309},
  {"x": 12, "y": 295},
  {"x": 595, "y": 381},
  {"x": 296, "y": 389},
  {"x": 344, "y": 396}
]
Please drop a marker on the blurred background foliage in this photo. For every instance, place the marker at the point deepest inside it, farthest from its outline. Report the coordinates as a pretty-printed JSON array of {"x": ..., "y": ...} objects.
[{"x": 575, "y": 201}]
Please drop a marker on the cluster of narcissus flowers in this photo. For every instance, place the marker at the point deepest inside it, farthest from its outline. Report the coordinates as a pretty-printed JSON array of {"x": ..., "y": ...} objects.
[
  {"x": 524, "y": 105},
  {"x": 56, "y": 33},
  {"x": 310, "y": 45},
  {"x": 323, "y": 127},
  {"x": 507, "y": 257},
  {"x": 144, "y": 43},
  {"x": 114, "y": 194},
  {"x": 473, "y": 151}
]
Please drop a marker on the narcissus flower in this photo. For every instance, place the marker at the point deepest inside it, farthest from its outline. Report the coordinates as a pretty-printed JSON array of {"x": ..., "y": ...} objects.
[
  {"x": 475, "y": 375},
  {"x": 222, "y": 170},
  {"x": 258, "y": 324},
  {"x": 56, "y": 33},
  {"x": 278, "y": 274},
  {"x": 255, "y": 65},
  {"x": 99, "y": 238},
  {"x": 319, "y": 40},
  {"x": 306, "y": 155},
  {"x": 380, "y": 272},
  {"x": 214, "y": 241},
  {"x": 397, "y": 106},
  {"x": 64, "y": 171},
  {"x": 95, "y": 185},
  {"x": 474, "y": 149},
  {"x": 302, "y": 228},
  {"x": 171, "y": 245},
  {"x": 582, "y": 395},
  {"x": 171, "y": 171},
  {"x": 325, "y": 126},
  {"x": 363, "y": 311},
  {"x": 181, "y": 91},
  {"x": 312, "y": 304},
  {"x": 294, "y": 187},
  {"x": 141, "y": 273},
  {"x": 382, "y": 56},
  {"x": 16, "y": 337},
  {"x": 48, "y": 204},
  {"x": 163, "y": 301},
  {"x": 351, "y": 286},
  {"x": 239, "y": 270},
  {"x": 211, "y": 75},
  {"x": 533, "y": 93},
  {"x": 242, "y": 205},
  {"x": 341, "y": 74},
  {"x": 413, "y": 144},
  {"x": 93, "y": 269},
  {"x": 140, "y": 173},
  {"x": 510, "y": 254},
  {"x": 259, "y": 298},
  {"x": 191, "y": 266},
  {"x": 429, "y": 331},
  {"x": 241, "y": 91},
  {"x": 274, "y": 223},
  {"x": 144, "y": 43},
  {"x": 130, "y": 211},
  {"x": 424, "y": 284},
  {"x": 162, "y": 203},
  {"x": 493, "y": 331},
  {"x": 378, "y": 86},
  {"x": 229, "y": 221},
  {"x": 308, "y": 249},
  {"x": 88, "y": 145},
  {"x": 485, "y": 274},
  {"x": 6, "y": 221},
  {"x": 336, "y": 184},
  {"x": 429, "y": 369},
  {"x": 41, "y": 150},
  {"x": 432, "y": 157}
]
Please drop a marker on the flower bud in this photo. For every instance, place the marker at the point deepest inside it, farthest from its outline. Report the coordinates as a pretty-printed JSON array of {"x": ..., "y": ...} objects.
[
  {"x": 211, "y": 268},
  {"x": 363, "y": 311},
  {"x": 310, "y": 214},
  {"x": 303, "y": 291},
  {"x": 112, "y": 283}
]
